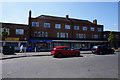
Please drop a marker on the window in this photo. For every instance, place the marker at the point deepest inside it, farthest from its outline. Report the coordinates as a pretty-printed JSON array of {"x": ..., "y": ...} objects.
[
  {"x": 46, "y": 34},
  {"x": 7, "y": 29},
  {"x": 66, "y": 35},
  {"x": 104, "y": 35},
  {"x": 92, "y": 29},
  {"x": 99, "y": 29},
  {"x": 84, "y": 35},
  {"x": 20, "y": 31},
  {"x": 35, "y": 24},
  {"x": 84, "y": 28},
  {"x": 57, "y": 34},
  {"x": 35, "y": 33},
  {"x": 80, "y": 35},
  {"x": 95, "y": 36},
  {"x": 67, "y": 26},
  {"x": 62, "y": 35},
  {"x": 42, "y": 34},
  {"x": 39, "y": 34},
  {"x": 76, "y": 35},
  {"x": 76, "y": 27},
  {"x": 57, "y": 26},
  {"x": 46, "y": 25}
]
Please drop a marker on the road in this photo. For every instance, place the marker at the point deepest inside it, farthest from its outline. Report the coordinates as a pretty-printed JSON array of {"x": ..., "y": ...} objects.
[{"x": 86, "y": 66}]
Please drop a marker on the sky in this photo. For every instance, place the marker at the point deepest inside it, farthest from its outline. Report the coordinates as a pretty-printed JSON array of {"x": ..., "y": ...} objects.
[{"x": 106, "y": 13}]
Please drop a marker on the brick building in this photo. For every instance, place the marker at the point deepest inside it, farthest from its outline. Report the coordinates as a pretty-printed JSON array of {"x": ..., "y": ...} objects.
[
  {"x": 116, "y": 36},
  {"x": 47, "y": 32},
  {"x": 18, "y": 34}
]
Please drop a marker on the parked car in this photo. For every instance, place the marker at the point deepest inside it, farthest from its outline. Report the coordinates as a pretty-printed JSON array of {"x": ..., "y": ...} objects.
[
  {"x": 60, "y": 51},
  {"x": 101, "y": 49}
]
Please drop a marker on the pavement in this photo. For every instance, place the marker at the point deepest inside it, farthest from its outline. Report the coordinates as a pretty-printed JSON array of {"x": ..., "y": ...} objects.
[{"x": 30, "y": 54}]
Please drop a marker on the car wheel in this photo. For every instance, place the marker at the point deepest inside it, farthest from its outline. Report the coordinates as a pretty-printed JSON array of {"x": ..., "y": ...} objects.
[
  {"x": 59, "y": 55},
  {"x": 77, "y": 54}
]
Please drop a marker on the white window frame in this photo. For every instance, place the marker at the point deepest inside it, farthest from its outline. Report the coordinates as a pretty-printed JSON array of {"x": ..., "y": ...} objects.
[
  {"x": 35, "y": 24},
  {"x": 46, "y": 25},
  {"x": 84, "y": 28},
  {"x": 92, "y": 29},
  {"x": 18, "y": 31},
  {"x": 62, "y": 35},
  {"x": 67, "y": 26},
  {"x": 99, "y": 29},
  {"x": 57, "y": 26}
]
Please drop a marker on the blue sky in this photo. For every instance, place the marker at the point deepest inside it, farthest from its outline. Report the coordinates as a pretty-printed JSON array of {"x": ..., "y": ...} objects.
[{"x": 105, "y": 12}]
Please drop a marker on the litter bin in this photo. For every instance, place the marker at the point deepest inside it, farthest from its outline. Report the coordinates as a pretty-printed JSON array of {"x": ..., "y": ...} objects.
[{"x": 8, "y": 50}]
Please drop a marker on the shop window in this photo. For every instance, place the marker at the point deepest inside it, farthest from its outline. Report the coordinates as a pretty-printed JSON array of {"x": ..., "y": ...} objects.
[
  {"x": 15, "y": 44},
  {"x": 20, "y": 31},
  {"x": 35, "y": 24}
]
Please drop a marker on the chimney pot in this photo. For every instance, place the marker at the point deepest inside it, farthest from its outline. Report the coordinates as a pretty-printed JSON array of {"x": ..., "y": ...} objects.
[
  {"x": 67, "y": 16},
  {"x": 95, "y": 21}
]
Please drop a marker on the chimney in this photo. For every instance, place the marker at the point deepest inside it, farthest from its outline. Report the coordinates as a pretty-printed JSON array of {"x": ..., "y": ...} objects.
[
  {"x": 67, "y": 16},
  {"x": 30, "y": 14},
  {"x": 95, "y": 21}
]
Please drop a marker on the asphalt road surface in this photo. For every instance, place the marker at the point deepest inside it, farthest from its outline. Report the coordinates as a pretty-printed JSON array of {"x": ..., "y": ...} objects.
[{"x": 88, "y": 66}]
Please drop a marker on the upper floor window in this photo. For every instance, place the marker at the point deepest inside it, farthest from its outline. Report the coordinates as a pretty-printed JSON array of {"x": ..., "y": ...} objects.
[
  {"x": 84, "y": 28},
  {"x": 42, "y": 34},
  {"x": 35, "y": 24},
  {"x": 67, "y": 26},
  {"x": 46, "y": 25},
  {"x": 20, "y": 31},
  {"x": 76, "y": 27},
  {"x": 92, "y": 29},
  {"x": 99, "y": 29},
  {"x": 57, "y": 26}
]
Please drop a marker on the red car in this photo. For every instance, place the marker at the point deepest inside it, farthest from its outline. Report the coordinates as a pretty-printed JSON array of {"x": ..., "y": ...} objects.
[{"x": 60, "y": 51}]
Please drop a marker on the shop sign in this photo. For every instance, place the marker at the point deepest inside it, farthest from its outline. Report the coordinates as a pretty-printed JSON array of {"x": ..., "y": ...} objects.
[
  {"x": 40, "y": 40},
  {"x": 11, "y": 39}
]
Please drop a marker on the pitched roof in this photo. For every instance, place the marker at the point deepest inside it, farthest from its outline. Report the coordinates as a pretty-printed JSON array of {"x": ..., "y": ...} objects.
[{"x": 63, "y": 19}]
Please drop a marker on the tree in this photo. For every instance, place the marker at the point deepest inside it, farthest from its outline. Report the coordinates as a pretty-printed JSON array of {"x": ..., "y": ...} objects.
[
  {"x": 111, "y": 38},
  {"x": 5, "y": 33}
]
